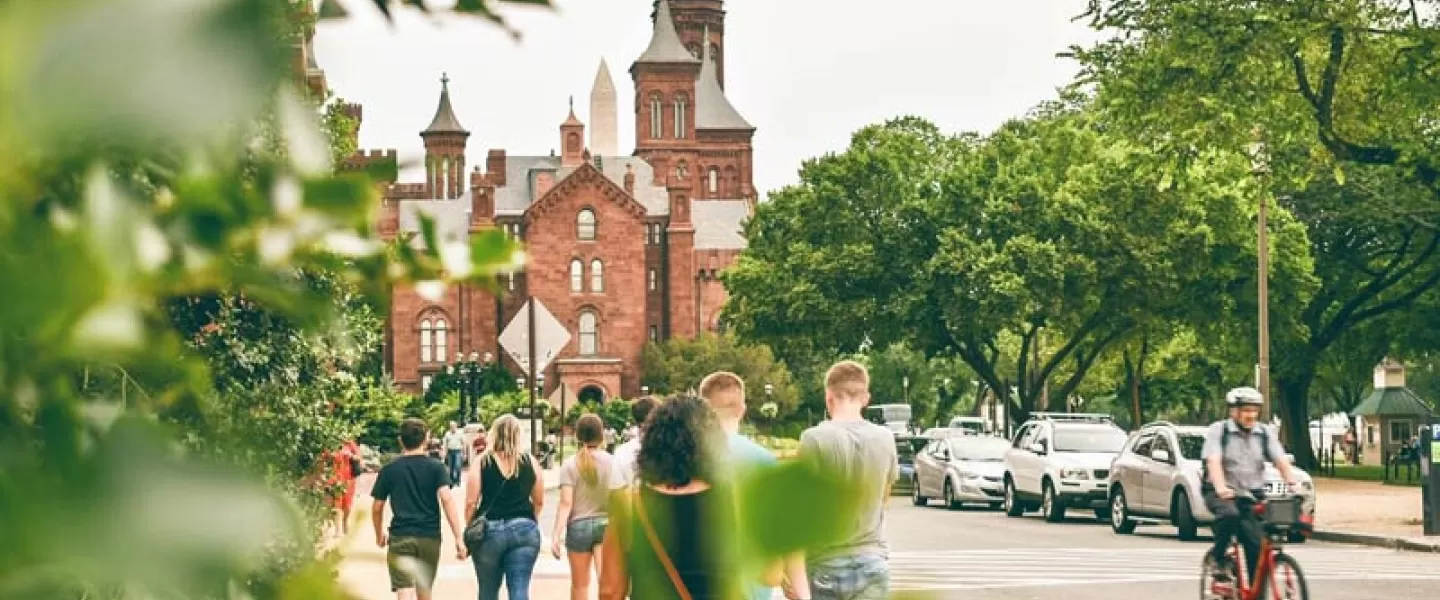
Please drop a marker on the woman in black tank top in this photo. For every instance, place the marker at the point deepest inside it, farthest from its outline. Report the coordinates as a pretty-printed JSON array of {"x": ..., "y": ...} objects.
[{"x": 504, "y": 488}]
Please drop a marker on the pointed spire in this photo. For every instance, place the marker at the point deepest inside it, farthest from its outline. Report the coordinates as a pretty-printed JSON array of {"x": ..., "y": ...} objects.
[
  {"x": 445, "y": 121},
  {"x": 665, "y": 45},
  {"x": 712, "y": 109},
  {"x": 572, "y": 120},
  {"x": 603, "y": 82}
]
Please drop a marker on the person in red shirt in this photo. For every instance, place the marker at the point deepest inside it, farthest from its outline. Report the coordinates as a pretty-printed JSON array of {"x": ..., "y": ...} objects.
[{"x": 346, "y": 468}]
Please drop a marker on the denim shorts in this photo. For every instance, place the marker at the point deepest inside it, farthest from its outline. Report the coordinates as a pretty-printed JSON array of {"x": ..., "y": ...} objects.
[
  {"x": 850, "y": 578},
  {"x": 584, "y": 534}
]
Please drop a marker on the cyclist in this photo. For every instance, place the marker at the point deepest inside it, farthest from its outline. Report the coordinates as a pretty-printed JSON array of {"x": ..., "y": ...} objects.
[{"x": 1236, "y": 450}]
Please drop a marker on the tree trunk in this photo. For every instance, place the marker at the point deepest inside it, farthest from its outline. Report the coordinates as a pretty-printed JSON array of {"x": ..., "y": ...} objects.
[{"x": 1295, "y": 417}]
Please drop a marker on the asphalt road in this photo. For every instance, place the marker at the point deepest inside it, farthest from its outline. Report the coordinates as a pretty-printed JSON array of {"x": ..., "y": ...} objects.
[{"x": 977, "y": 554}]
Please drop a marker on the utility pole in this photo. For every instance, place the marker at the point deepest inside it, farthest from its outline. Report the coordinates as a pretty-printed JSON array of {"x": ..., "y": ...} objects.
[
  {"x": 1262, "y": 249},
  {"x": 534, "y": 379}
]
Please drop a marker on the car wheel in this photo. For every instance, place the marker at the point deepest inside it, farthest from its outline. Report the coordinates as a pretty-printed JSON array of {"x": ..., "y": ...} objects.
[
  {"x": 1185, "y": 518},
  {"x": 1012, "y": 505},
  {"x": 915, "y": 496},
  {"x": 1120, "y": 521},
  {"x": 1052, "y": 507},
  {"x": 950, "y": 502}
]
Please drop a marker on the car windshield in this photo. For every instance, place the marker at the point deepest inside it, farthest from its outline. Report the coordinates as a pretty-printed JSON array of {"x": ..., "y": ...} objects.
[
  {"x": 1089, "y": 439},
  {"x": 1191, "y": 446},
  {"x": 989, "y": 450}
]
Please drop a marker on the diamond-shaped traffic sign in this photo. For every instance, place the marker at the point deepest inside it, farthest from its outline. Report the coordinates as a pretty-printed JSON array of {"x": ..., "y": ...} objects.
[{"x": 550, "y": 337}]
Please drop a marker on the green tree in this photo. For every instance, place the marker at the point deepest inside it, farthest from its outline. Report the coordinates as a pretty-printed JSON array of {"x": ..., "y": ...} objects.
[
  {"x": 1027, "y": 254},
  {"x": 1354, "y": 81},
  {"x": 677, "y": 365}
]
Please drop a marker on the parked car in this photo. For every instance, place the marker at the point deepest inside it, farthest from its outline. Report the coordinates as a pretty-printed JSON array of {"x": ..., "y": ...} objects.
[
  {"x": 1061, "y": 460},
  {"x": 1156, "y": 478},
  {"x": 974, "y": 425},
  {"x": 905, "y": 447},
  {"x": 959, "y": 470}
]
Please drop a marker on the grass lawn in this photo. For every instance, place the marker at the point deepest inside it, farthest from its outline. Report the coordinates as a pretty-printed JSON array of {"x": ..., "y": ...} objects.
[{"x": 1372, "y": 473}]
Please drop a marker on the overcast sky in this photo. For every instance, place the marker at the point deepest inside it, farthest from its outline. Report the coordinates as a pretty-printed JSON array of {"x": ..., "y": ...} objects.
[{"x": 806, "y": 73}]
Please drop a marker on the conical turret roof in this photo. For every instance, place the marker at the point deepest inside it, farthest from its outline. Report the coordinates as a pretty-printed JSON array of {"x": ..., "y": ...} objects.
[
  {"x": 665, "y": 45},
  {"x": 712, "y": 109},
  {"x": 445, "y": 120}
]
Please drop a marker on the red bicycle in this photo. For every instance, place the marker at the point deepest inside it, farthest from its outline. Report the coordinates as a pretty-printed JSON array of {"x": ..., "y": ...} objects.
[{"x": 1277, "y": 574}]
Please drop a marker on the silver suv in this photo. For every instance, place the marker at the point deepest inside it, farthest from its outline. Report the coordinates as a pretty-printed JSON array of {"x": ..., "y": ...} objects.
[
  {"x": 1156, "y": 478},
  {"x": 1061, "y": 460}
]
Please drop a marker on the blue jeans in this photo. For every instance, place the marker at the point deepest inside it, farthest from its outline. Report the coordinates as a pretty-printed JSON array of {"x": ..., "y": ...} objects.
[
  {"x": 865, "y": 577},
  {"x": 509, "y": 551},
  {"x": 455, "y": 460}
]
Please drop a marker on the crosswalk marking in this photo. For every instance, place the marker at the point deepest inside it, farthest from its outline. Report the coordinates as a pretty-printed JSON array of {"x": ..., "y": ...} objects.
[{"x": 1042, "y": 567}]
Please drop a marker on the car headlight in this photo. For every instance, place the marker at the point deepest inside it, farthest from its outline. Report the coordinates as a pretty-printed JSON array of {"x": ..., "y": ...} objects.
[{"x": 1074, "y": 474}]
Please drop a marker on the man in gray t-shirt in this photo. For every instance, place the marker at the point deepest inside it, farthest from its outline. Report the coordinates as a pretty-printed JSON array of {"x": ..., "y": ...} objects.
[{"x": 855, "y": 567}]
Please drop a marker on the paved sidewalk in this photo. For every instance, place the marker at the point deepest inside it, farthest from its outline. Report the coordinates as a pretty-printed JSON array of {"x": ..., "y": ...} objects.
[
  {"x": 1371, "y": 513},
  {"x": 364, "y": 574}
]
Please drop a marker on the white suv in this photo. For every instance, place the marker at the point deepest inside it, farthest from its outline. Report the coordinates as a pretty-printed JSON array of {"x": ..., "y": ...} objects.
[
  {"x": 1058, "y": 461},
  {"x": 1157, "y": 478}
]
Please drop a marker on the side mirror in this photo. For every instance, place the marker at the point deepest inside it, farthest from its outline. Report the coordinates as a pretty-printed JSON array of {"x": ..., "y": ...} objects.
[
  {"x": 1037, "y": 447},
  {"x": 1160, "y": 455}
]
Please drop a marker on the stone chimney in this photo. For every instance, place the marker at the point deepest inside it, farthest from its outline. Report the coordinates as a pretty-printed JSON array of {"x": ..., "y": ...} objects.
[
  {"x": 1389, "y": 375},
  {"x": 495, "y": 167}
]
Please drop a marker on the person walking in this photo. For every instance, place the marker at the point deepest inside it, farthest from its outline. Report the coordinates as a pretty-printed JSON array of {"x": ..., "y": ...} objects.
[
  {"x": 504, "y": 494},
  {"x": 725, "y": 393},
  {"x": 348, "y": 466},
  {"x": 622, "y": 463},
  {"x": 417, "y": 491},
  {"x": 855, "y": 567},
  {"x": 582, "y": 516},
  {"x": 672, "y": 538},
  {"x": 454, "y": 452}
]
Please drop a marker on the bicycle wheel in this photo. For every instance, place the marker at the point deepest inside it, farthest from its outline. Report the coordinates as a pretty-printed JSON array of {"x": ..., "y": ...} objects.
[{"x": 1288, "y": 577}]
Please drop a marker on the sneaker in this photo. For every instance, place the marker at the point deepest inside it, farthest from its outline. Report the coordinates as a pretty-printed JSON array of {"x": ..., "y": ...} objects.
[{"x": 1222, "y": 571}]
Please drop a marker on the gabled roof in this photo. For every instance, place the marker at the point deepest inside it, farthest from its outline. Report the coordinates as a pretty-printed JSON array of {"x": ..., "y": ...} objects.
[
  {"x": 445, "y": 120},
  {"x": 513, "y": 198},
  {"x": 665, "y": 45},
  {"x": 712, "y": 109},
  {"x": 1392, "y": 402}
]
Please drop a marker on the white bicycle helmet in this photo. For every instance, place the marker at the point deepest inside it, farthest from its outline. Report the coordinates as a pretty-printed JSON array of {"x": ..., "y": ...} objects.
[{"x": 1244, "y": 396}]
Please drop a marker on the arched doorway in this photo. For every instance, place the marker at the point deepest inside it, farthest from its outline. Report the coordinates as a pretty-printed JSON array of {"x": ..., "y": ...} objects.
[{"x": 591, "y": 394}]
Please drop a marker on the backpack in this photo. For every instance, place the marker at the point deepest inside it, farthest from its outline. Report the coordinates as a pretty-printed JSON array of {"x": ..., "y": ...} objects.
[{"x": 1264, "y": 431}]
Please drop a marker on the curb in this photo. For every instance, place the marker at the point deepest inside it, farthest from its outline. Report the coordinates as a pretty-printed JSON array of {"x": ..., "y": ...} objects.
[{"x": 1378, "y": 541}]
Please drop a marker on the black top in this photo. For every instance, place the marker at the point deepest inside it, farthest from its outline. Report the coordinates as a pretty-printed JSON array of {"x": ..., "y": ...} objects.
[
  {"x": 511, "y": 501},
  {"x": 411, "y": 484},
  {"x": 694, "y": 530}
]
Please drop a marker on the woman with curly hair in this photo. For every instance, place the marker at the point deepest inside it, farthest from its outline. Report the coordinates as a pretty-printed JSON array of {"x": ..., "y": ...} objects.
[{"x": 675, "y": 538}]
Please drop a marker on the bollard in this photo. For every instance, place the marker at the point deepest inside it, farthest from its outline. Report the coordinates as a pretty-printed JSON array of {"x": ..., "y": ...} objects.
[{"x": 1429, "y": 460}]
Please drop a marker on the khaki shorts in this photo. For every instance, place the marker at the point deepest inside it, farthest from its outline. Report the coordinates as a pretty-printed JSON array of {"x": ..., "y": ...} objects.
[{"x": 412, "y": 562}]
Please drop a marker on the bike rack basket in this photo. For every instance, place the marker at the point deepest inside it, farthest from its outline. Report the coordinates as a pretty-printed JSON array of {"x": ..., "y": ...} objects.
[{"x": 1283, "y": 514}]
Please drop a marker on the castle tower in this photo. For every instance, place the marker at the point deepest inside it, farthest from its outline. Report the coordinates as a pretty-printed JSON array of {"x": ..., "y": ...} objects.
[
  {"x": 664, "y": 78},
  {"x": 725, "y": 139},
  {"x": 572, "y": 139},
  {"x": 692, "y": 19},
  {"x": 604, "y": 115},
  {"x": 444, "y": 149}
]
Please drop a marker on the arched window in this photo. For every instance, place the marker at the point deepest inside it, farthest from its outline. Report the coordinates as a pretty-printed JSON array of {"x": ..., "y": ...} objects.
[
  {"x": 680, "y": 103},
  {"x": 426, "y": 341},
  {"x": 713, "y": 180},
  {"x": 585, "y": 225},
  {"x": 654, "y": 280},
  {"x": 597, "y": 276},
  {"x": 441, "y": 348},
  {"x": 577, "y": 276},
  {"x": 589, "y": 334},
  {"x": 657, "y": 116},
  {"x": 442, "y": 185}
]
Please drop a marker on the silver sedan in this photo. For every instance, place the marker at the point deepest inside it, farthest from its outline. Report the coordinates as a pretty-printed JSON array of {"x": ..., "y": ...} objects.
[{"x": 961, "y": 470}]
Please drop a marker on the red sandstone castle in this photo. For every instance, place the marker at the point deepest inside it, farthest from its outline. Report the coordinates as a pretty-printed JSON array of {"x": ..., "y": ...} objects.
[{"x": 624, "y": 250}]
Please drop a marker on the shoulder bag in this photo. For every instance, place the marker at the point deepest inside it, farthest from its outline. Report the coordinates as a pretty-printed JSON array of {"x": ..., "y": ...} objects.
[
  {"x": 475, "y": 531},
  {"x": 658, "y": 547}
]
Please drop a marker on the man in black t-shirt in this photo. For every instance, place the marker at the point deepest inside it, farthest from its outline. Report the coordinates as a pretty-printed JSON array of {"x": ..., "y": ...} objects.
[{"x": 417, "y": 488}]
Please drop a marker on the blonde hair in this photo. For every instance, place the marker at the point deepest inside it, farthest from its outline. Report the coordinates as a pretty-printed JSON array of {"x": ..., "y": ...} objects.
[
  {"x": 725, "y": 393},
  {"x": 590, "y": 432},
  {"x": 848, "y": 381},
  {"x": 504, "y": 445}
]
